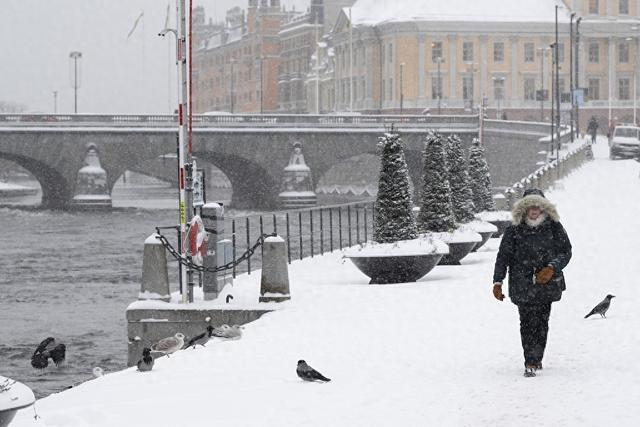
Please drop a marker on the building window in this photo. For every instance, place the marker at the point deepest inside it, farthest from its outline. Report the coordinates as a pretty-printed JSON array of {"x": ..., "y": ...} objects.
[
  {"x": 436, "y": 52},
  {"x": 623, "y": 7},
  {"x": 529, "y": 52},
  {"x": 436, "y": 87},
  {"x": 623, "y": 53},
  {"x": 594, "y": 52},
  {"x": 594, "y": 89},
  {"x": 529, "y": 89},
  {"x": 467, "y": 51},
  {"x": 593, "y": 6},
  {"x": 624, "y": 88},
  {"x": 467, "y": 87},
  {"x": 498, "y": 52}
]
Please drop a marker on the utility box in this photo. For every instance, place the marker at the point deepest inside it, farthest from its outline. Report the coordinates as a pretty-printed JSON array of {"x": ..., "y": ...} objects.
[{"x": 212, "y": 215}]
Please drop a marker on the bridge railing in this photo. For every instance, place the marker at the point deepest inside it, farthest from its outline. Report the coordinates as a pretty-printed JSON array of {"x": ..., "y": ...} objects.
[
  {"x": 307, "y": 232},
  {"x": 241, "y": 120}
]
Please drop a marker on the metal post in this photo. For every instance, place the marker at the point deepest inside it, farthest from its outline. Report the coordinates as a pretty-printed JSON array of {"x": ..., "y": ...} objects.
[
  {"x": 571, "y": 70},
  {"x": 232, "y": 79},
  {"x": 357, "y": 225},
  {"x": 275, "y": 225},
  {"x": 233, "y": 245},
  {"x": 261, "y": 90},
  {"x": 350, "y": 62},
  {"x": 577, "y": 76},
  {"x": 248, "y": 232},
  {"x": 553, "y": 108},
  {"x": 542, "y": 52},
  {"x": 401, "y": 86},
  {"x": 321, "y": 233},
  {"x": 75, "y": 55},
  {"x": 331, "y": 229},
  {"x": 55, "y": 102},
  {"x": 366, "y": 238},
  {"x": 349, "y": 224},
  {"x": 340, "y": 225},
  {"x": 311, "y": 228},
  {"x": 288, "y": 239},
  {"x": 300, "y": 231},
  {"x": 557, "y": 91},
  {"x": 438, "y": 61}
]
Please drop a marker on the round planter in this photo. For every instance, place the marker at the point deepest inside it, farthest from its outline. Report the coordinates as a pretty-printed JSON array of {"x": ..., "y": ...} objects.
[
  {"x": 486, "y": 235},
  {"x": 457, "y": 251},
  {"x": 502, "y": 225},
  {"x": 395, "y": 269},
  {"x": 17, "y": 397}
]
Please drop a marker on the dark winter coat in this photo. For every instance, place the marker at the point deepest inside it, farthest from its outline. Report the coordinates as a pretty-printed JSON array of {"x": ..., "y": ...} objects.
[{"x": 524, "y": 250}]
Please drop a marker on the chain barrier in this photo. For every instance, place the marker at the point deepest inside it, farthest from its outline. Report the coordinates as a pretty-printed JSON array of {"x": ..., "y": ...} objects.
[{"x": 190, "y": 264}]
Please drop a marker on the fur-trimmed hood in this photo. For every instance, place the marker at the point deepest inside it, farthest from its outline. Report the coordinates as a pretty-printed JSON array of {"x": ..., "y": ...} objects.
[{"x": 520, "y": 208}]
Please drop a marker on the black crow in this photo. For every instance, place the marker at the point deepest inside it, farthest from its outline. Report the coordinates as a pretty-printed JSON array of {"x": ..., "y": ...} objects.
[
  {"x": 307, "y": 373},
  {"x": 602, "y": 307}
]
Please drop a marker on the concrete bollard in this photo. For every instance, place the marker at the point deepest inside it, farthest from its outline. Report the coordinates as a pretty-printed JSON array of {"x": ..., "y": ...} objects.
[
  {"x": 212, "y": 215},
  {"x": 155, "y": 278},
  {"x": 274, "y": 283}
]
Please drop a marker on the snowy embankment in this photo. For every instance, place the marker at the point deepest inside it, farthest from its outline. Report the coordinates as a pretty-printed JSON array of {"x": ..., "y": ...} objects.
[{"x": 439, "y": 352}]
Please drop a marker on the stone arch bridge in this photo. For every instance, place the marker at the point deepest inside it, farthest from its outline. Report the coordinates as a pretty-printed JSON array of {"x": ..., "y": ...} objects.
[{"x": 252, "y": 150}]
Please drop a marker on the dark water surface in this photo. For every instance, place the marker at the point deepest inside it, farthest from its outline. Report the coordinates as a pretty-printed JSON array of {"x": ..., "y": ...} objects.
[{"x": 71, "y": 276}]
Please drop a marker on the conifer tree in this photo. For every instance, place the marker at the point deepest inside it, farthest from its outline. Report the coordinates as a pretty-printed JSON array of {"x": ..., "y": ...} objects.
[
  {"x": 394, "y": 219},
  {"x": 461, "y": 196},
  {"x": 436, "y": 213},
  {"x": 480, "y": 178}
]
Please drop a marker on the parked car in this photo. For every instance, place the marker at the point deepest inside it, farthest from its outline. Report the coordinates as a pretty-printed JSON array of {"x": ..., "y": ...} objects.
[{"x": 625, "y": 142}]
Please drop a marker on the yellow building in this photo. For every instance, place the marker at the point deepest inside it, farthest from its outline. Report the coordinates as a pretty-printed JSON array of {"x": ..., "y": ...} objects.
[{"x": 414, "y": 55}]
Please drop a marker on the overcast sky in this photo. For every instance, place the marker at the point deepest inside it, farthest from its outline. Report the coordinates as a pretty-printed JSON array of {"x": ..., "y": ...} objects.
[{"x": 117, "y": 75}]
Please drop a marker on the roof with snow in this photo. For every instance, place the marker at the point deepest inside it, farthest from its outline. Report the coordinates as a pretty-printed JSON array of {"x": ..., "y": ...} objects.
[{"x": 373, "y": 12}]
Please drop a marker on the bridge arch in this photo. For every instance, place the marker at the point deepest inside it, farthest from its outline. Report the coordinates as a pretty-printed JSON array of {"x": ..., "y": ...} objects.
[{"x": 55, "y": 187}]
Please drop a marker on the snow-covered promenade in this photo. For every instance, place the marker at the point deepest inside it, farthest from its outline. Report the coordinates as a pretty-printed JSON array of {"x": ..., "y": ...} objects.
[{"x": 439, "y": 352}]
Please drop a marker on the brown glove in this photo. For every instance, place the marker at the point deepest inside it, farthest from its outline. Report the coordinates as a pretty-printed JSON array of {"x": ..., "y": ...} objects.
[
  {"x": 544, "y": 275},
  {"x": 497, "y": 291}
]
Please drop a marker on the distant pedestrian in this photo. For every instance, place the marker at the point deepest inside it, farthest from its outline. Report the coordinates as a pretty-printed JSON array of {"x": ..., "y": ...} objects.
[
  {"x": 534, "y": 250},
  {"x": 592, "y": 129}
]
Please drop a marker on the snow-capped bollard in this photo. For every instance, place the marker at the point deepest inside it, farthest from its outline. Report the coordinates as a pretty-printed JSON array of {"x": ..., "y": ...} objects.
[
  {"x": 155, "y": 278},
  {"x": 274, "y": 282}
]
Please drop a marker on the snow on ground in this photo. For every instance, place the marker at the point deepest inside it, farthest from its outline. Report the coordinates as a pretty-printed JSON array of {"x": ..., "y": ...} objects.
[{"x": 439, "y": 352}]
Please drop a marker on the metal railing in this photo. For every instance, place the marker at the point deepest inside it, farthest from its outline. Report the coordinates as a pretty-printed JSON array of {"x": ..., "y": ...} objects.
[
  {"x": 307, "y": 232},
  {"x": 241, "y": 120},
  {"x": 545, "y": 176}
]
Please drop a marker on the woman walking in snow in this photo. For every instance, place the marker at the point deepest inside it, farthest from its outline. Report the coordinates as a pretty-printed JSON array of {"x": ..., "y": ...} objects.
[{"x": 534, "y": 250}]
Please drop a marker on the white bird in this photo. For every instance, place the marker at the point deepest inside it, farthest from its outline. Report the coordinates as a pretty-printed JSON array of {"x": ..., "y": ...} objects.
[
  {"x": 230, "y": 333},
  {"x": 169, "y": 345},
  {"x": 98, "y": 372}
]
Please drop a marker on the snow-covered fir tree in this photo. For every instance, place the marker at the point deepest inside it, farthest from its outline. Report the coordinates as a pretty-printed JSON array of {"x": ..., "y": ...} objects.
[
  {"x": 436, "y": 213},
  {"x": 394, "y": 219},
  {"x": 480, "y": 178},
  {"x": 461, "y": 196}
]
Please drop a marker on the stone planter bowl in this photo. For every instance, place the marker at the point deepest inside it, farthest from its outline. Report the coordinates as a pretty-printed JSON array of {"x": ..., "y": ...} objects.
[
  {"x": 395, "y": 269},
  {"x": 502, "y": 225},
  {"x": 457, "y": 251},
  {"x": 486, "y": 235}
]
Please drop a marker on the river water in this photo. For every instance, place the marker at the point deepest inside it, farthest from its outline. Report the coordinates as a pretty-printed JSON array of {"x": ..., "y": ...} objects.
[{"x": 71, "y": 276}]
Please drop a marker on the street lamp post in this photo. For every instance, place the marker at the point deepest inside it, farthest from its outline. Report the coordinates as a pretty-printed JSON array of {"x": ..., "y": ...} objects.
[
  {"x": 573, "y": 15},
  {"x": 75, "y": 55},
  {"x": 401, "y": 86},
  {"x": 55, "y": 102},
  {"x": 261, "y": 87},
  {"x": 438, "y": 62},
  {"x": 577, "y": 74},
  {"x": 557, "y": 86},
  {"x": 233, "y": 61}
]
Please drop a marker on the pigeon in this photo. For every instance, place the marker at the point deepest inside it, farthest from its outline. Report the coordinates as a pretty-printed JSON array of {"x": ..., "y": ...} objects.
[
  {"x": 601, "y": 308},
  {"x": 230, "y": 333},
  {"x": 169, "y": 345},
  {"x": 146, "y": 363},
  {"x": 201, "y": 339},
  {"x": 97, "y": 372},
  {"x": 307, "y": 373}
]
